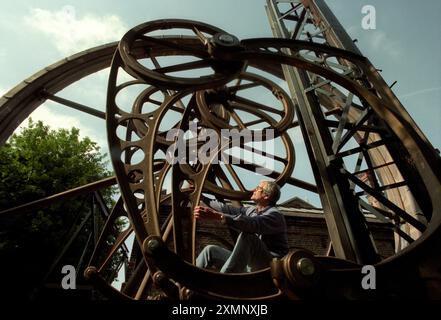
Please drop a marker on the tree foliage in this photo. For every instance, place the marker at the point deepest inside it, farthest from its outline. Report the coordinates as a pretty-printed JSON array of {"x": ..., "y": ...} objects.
[{"x": 36, "y": 163}]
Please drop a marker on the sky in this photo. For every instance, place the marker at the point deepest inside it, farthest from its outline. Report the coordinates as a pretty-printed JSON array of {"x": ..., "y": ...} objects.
[{"x": 405, "y": 45}]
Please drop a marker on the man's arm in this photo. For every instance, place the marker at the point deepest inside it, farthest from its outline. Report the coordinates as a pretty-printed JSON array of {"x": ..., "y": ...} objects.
[
  {"x": 221, "y": 207},
  {"x": 202, "y": 212}
]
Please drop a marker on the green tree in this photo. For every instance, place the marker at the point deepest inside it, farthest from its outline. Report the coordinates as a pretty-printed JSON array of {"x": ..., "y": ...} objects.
[{"x": 36, "y": 163}]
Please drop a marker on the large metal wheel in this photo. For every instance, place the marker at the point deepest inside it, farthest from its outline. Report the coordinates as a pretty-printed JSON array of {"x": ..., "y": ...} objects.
[{"x": 356, "y": 117}]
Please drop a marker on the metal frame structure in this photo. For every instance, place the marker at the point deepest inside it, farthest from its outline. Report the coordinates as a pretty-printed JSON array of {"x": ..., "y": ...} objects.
[{"x": 343, "y": 107}]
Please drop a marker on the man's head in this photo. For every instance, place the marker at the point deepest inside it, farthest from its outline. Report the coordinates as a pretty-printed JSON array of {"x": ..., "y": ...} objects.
[{"x": 266, "y": 193}]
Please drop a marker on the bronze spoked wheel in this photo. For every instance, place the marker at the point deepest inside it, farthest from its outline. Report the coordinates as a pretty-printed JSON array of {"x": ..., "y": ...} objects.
[{"x": 349, "y": 114}]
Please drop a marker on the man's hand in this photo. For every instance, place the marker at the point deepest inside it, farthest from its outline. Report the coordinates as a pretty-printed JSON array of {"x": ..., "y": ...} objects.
[{"x": 201, "y": 212}]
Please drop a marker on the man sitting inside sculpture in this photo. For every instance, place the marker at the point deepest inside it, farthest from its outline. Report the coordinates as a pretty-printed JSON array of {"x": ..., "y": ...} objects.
[{"x": 263, "y": 232}]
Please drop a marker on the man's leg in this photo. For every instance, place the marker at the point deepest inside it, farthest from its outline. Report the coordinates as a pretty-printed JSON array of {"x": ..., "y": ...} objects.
[
  {"x": 212, "y": 256},
  {"x": 248, "y": 251}
]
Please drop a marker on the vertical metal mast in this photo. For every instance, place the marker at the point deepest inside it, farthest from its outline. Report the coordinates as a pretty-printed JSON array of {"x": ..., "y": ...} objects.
[{"x": 348, "y": 231}]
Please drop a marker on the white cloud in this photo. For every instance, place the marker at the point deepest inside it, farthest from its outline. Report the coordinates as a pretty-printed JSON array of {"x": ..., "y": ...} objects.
[
  {"x": 376, "y": 40},
  {"x": 71, "y": 34}
]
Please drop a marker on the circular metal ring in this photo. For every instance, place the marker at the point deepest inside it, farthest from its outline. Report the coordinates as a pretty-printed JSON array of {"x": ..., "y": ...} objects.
[{"x": 195, "y": 46}]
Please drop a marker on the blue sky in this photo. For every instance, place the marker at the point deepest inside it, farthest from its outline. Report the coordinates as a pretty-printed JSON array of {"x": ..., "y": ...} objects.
[{"x": 405, "y": 45}]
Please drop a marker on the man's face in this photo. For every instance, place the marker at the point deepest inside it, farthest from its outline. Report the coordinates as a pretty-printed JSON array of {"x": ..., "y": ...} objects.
[{"x": 258, "y": 194}]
